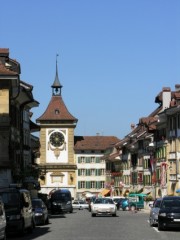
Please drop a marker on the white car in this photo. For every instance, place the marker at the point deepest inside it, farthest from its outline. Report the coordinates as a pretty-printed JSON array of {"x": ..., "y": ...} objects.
[
  {"x": 80, "y": 204},
  {"x": 103, "y": 206}
]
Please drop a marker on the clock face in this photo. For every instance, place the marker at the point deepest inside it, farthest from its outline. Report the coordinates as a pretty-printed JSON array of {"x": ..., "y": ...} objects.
[{"x": 56, "y": 139}]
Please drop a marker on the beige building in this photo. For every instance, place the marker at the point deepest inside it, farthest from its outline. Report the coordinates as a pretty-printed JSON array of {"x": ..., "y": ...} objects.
[
  {"x": 16, "y": 101},
  {"x": 91, "y": 167}
]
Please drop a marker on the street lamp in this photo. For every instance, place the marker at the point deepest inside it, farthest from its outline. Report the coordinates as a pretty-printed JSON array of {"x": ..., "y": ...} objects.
[{"x": 151, "y": 149}]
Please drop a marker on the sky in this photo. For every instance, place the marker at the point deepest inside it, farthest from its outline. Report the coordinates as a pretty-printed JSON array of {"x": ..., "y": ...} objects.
[{"x": 115, "y": 56}]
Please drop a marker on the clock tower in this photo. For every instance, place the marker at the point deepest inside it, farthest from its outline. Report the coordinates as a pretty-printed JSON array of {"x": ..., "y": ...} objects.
[{"x": 57, "y": 161}]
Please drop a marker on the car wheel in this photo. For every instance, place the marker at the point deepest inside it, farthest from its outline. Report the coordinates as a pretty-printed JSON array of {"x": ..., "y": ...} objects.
[
  {"x": 160, "y": 226},
  {"x": 47, "y": 220},
  {"x": 133, "y": 208},
  {"x": 114, "y": 215},
  {"x": 93, "y": 214},
  {"x": 126, "y": 208}
]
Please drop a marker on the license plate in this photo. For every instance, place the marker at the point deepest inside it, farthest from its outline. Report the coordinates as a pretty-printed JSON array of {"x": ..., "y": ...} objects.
[{"x": 176, "y": 220}]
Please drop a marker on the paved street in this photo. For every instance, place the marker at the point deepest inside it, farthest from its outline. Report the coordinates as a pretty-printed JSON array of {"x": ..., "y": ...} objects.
[{"x": 81, "y": 226}]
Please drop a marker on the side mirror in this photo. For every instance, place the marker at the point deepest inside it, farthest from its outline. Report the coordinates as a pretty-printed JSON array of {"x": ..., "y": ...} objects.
[{"x": 72, "y": 198}]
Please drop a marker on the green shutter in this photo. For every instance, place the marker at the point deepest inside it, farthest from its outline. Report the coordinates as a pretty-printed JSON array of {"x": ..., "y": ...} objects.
[{"x": 79, "y": 159}]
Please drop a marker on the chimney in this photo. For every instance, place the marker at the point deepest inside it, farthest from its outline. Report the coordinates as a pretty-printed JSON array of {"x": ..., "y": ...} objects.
[
  {"x": 132, "y": 126},
  {"x": 177, "y": 87},
  {"x": 166, "y": 97}
]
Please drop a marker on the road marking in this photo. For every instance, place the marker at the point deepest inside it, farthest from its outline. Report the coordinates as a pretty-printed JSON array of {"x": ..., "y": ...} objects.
[{"x": 155, "y": 228}]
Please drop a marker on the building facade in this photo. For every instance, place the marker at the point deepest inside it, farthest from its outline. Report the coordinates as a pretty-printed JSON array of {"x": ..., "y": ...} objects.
[
  {"x": 91, "y": 167},
  {"x": 16, "y": 101},
  {"x": 56, "y": 160}
]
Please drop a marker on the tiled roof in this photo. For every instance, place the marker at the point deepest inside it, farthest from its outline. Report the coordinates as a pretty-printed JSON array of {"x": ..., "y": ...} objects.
[
  {"x": 6, "y": 71},
  {"x": 56, "y": 111},
  {"x": 4, "y": 51},
  {"x": 94, "y": 142}
]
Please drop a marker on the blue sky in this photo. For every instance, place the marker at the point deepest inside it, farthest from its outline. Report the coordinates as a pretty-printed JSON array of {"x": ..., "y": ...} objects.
[{"x": 115, "y": 56}]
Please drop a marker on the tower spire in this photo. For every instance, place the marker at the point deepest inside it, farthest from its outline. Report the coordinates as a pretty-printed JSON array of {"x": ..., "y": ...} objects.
[{"x": 56, "y": 87}]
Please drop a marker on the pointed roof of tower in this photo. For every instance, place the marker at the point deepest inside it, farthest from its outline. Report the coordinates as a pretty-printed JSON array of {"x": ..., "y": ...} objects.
[
  {"x": 56, "y": 83},
  {"x": 57, "y": 110}
]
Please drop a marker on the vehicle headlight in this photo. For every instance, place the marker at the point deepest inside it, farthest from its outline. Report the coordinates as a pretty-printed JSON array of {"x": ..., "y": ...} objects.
[
  {"x": 38, "y": 214},
  {"x": 162, "y": 214},
  {"x": 68, "y": 202},
  {"x": 14, "y": 217},
  {"x": 112, "y": 209},
  {"x": 54, "y": 203}
]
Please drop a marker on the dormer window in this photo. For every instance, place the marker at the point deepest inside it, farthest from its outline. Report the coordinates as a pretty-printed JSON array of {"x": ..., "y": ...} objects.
[{"x": 56, "y": 111}]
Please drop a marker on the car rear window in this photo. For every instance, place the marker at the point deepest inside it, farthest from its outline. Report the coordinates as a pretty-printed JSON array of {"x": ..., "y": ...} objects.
[{"x": 171, "y": 203}]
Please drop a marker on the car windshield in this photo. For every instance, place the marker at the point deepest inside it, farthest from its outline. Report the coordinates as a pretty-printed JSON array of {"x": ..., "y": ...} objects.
[
  {"x": 157, "y": 203},
  {"x": 36, "y": 204},
  {"x": 104, "y": 201},
  {"x": 60, "y": 197},
  {"x": 171, "y": 203}
]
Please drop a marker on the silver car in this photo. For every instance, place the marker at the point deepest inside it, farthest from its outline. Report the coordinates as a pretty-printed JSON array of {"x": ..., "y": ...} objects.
[
  {"x": 80, "y": 204},
  {"x": 153, "y": 217},
  {"x": 103, "y": 206}
]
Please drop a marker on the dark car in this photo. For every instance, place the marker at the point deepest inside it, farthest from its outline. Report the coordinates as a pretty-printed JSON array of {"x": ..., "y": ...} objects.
[
  {"x": 153, "y": 216},
  {"x": 40, "y": 211},
  {"x": 61, "y": 201},
  {"x": 169, "y": 213},
  {"x": 18, "y": 209}
]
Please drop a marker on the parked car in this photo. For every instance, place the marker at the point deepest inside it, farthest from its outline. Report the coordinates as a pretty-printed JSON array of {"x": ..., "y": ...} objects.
[
  {"x": 154, "y": 211},
  {"x": 135, "y": 201},
  {"x": 2, "y": 220},
  {"x": 125, "y": 204},
  {"x": 61, "y": 201},
  {"x": 18, "y": 209},
  {"x": 118, "y": 201},
  {"x": 103, "y": 206},
  {"x": 169, "y": 213},
  {"x": 80, "y": 204},
  {"x": 40, "y": 210}
]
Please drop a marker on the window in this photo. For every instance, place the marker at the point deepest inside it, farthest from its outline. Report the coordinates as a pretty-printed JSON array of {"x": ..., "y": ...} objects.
[
  {"x": 92, "y": 184},
  {"x": 82, "y": 184},
  {"x": 81, "y": 172},
  {"x": 83, "y": 160},
  {"x": 101, "y": 184},
  {"x": 92, "y": 159},
  {"x": 101, "y": 172},
  {"x": 147, "y": 179},
  {"x": 92, "y": 172}
]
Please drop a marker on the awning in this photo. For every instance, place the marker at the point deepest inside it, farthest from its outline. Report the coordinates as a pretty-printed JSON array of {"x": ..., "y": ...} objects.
[{"x": 105, "y": 192}]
